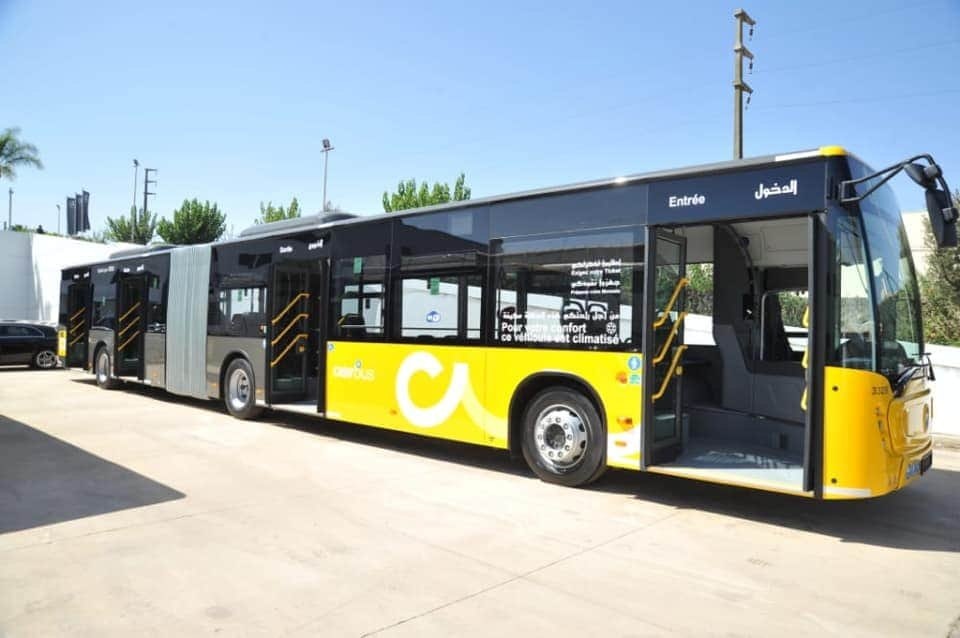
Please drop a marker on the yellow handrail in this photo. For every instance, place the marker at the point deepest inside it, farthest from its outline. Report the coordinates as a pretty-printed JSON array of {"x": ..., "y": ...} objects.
[
  {"x": 128, "y": 326},
  {"x": 274, "y": 321},
  {"x": 302, "y": 315},
  {"x": 287, "y": 349},
  {"x": 78, "y": 313},
  {"x": 683, "y": 281},
  {"x": 127, "y": 313},
  {"x": 670, "y": 337},
  {"x": 805, "y": 361},
  {"x": 670, "y": 371},
  {"x": 127, "y": 342}
]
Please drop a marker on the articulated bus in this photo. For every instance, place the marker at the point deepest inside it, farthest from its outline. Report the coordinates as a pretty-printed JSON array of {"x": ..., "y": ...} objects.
[{"x": 753, "y": 322}]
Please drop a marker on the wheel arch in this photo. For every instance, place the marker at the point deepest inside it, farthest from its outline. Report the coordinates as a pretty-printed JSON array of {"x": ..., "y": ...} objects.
[{"x": 536, "y": 383}]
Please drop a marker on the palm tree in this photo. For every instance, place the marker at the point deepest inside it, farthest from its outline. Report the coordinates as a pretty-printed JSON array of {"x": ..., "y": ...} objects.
[{"x": 14, "y": 153}]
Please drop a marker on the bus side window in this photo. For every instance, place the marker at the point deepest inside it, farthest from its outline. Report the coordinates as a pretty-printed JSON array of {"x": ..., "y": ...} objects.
[
  {"x": 854, "y": 330},
  {"x": 358, "y": 297}
]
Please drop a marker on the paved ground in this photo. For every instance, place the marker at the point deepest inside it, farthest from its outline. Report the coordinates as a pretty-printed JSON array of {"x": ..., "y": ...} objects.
[{"x": 126, "y": 513}]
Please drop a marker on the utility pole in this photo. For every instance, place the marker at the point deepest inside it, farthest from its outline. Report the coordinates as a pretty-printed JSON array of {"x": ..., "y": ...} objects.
[
  {"x": 146, "y": 187},
  {"x": 10, "y": 211},
  {"x": 58, "y": 219},
  {"x": 326, "y": 153},
  {"x": 133, "y": 211},
  {"x": 739, "y": 86}
]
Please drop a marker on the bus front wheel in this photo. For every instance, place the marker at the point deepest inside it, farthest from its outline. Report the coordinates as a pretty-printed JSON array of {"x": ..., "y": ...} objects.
[
  {"x": 240, "y": 389},
  {"x": 563, "y": 438}
]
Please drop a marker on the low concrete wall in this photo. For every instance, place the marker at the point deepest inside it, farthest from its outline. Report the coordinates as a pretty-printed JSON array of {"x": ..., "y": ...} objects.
[{"x": 30, "y": 266}]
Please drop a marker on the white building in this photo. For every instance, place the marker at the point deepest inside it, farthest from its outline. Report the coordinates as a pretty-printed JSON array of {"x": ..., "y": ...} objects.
[
  {"x": 916, "y": 231},
  {"x": 30, "y": 266}
]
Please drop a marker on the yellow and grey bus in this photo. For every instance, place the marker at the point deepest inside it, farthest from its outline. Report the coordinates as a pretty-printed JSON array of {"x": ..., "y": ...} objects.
[{"x": 753, "y": 322}]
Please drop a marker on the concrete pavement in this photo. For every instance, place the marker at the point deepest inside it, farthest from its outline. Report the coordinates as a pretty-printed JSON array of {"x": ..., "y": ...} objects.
[{"x": 132, "y": 513}]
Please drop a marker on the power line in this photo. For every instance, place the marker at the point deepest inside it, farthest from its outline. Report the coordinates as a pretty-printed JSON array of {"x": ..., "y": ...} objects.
[
  {"x": 865, "y": 56},
  {"x": 858, "y": 100},
  {"x": 858, "y": 18}
]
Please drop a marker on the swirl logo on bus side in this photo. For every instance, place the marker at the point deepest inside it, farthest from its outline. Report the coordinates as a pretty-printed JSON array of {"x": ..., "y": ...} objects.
[
  {"x": 458, "y": 393},
  {"x": 439, "y": 412}
]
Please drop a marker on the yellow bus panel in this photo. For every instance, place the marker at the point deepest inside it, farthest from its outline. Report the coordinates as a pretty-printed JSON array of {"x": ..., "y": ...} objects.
[
  {"x": 463, "y": 393},
  {"x": 872, "y": 442}
]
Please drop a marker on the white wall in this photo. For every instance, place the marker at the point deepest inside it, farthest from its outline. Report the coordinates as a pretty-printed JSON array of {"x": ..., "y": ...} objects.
[
  {"x": 946, "y": 389},
  {"x": 30, "y": 266}
]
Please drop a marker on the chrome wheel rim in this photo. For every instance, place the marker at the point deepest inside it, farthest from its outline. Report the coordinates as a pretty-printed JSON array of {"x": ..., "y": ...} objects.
[
  {"x": 46, "y": 359},
  {"x": 103, "y": 367},
  {"x": 560, "y": 435},
  {"x": 238, "y": 389}
]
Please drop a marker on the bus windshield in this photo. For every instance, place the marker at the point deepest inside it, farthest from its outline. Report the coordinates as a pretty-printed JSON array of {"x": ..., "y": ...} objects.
[{"x": 897, "y": 299}]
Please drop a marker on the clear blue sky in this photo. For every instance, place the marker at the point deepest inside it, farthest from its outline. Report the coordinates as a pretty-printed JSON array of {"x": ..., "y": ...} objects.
[{"x": 230, "y": 100}]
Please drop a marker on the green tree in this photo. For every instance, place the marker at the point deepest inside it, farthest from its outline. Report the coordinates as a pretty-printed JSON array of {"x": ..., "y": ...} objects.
[
  {"x": 143, "y": 229},
  {"x": 195, "y": 222},
  {"x": 271, "y": 213},
  {"x": 700, "y": 290},
  {"x": 940, "y": 290},
  {"x": 14, "y": 152},
  {"x": 409, "y": 195}
]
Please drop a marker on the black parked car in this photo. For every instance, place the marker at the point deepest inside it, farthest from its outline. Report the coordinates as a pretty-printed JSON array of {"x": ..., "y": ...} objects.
[{"x": 33, "y": 344}]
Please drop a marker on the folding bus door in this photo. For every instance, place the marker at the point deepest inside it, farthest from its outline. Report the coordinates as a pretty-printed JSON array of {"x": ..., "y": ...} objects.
[
  {"x": 131, "y": 326},
  {"x": 663, "y": 346},
  {"x": 288, "y": 351},
  {"x": 78, "y": 324}
]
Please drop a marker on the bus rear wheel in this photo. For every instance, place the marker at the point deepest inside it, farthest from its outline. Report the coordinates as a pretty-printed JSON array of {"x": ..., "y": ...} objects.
[
  {"x": 240, "y": 390},
  {"x": 103, "y": 369},
  {"x": 563, "y": 438}
]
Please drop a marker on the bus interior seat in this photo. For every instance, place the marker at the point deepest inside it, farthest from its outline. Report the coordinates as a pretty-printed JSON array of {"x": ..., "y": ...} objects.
[
  {"x": 352, "y": 325},
  {"x": 246, "y": 323}
]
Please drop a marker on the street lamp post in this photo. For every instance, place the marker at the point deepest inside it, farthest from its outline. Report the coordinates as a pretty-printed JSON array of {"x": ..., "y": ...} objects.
[
  {"x": 58, "y": 219},
  {"x": 133, "y": 209},
  {"x": 10, "y": 211},
  {"x": 326, "y": 152}
]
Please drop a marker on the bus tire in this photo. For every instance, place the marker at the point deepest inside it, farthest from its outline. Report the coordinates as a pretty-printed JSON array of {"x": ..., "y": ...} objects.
[
  {"x": 240, "y": 390},
  {"x": 102, "y": 369},
  {"x": 564, "y": 441}
]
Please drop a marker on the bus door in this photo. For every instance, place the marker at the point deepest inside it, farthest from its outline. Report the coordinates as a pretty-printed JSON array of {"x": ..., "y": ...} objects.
[
  {"x": 131, "y": 326},
  {"x": 289, "y": 334},
  {"x": 78, "y": 324},
  {"x": 663, "y": 346}
]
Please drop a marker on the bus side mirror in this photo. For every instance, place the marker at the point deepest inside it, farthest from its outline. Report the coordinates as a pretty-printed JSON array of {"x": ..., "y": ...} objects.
[
  {"x": 942, "y": 213},
  {"x": 943, "y": 218}
]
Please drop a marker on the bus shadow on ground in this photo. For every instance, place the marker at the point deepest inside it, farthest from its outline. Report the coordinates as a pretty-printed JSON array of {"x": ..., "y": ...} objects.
[
  {"x": 922, "y": 516},
  {"x": 44, "y": 480}
]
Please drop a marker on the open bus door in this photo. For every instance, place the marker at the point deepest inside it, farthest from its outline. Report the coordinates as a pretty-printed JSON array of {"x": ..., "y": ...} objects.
[
  {"x": 131, "y": 326},
  {"x": 663, "y": 346},
  {"x": 77, "y": 324}
]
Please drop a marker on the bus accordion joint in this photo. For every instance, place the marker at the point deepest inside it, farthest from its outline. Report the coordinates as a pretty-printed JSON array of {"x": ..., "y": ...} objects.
[
  {"x": 681, "y": 283},
  {"x": 289, "y": 306},
  {"x": 670, "y": 372},
  {"x": 670, "y": 337}
]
